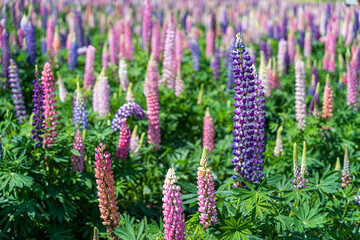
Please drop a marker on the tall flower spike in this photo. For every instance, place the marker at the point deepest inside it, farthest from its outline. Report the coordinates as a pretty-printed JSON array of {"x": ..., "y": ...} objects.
[
  {"x": 296, "y": 169},
  {"x": 101, "y": 95},
  {"x": 281, "y": 56},
  {"x": 210, "y": 37},
  {"x": 179, "y": 84},
  {"x": 215, "y": 65},
  {"x": 314, "y": 108},
  {"x": 130, "y": 108},
  {"x": 156, "y": 40},
  {"x": 195, "y": 54},
  {"x": 89, "y": 77},
  {"x": 308, "y": 44},
  {"x": 346, "y": 176},
  {"x": 179, "y": 46},
  {"x": 230, "y": 74},
  {"x": 206, "y": 192},
  {"x": 106, "y": 190},
  {"x": 105, "y": 56},
  {"x": 263, "y": 74},
  {"x": 50, "y": 27},
  {"x": 78, "y": 145},
  {"x": 169, "y": 48},
  {"x": 78, "y": 28},
  {"x": 38, "y": 110},
  {"x": 62, "y": 89},
  {"x": 30, "y": 42},
  {"x": 16, "y": 91},
  {"x": 80, "y": 116},
  {"x": 5, "y": 54},
  {"x": 146, "y": 25},
  {"x": 73, "y": 56},
  {"x": 50, "y": 112},
  {"x": 128, "y": 41},
  {"x": 174, "y": 227},
  {"x": 328, "y": 100},
  {"x": 123, "y": 74},
  {"x": 300, "y": 105},
  {"x": 279, "y": 143},
  {"x": 96, "y": 234},
  {"x": 208, "y": 131},
  {"x": 352, "y": 88},
  {"x": 124, "y": 141}
]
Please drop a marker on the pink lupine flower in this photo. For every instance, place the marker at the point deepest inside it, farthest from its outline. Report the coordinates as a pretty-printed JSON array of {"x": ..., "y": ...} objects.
[
  {"x": 352, "y": 86},
  {"x": 291, "y": 46},
  {"x": 78, "y": 145},
  {"x": 21, "y": 37},
  {"x": 113, "y": 45},
  {"x": 106, "y": 190},
  {"x": 89, "y": 77},
  {"x": 179, "y": 84},
  {"x": 101, "y": 95},
  {"x": 167, "y": 74},
  {"x": 172, "y": 208},
  {"x": 206, "y": 192},
  {"x": 122, "y": 46},
  {"x": 210, "y": 42},
  {"x": 62, "y": 89},
  {"x": 105, "y": 56},
  {"x": 300, "y": 105},
  {"x": 50, "y": 27},
  {"x": 179, "y": 46},
  {"x": 307, "y": 44},
  {"x": 124, "y": 141},
  {"x": 152, "y": 100},
  {"x": 146, "y": 27},
  {"x": 281, "y": 56},
  {"x": 128, "y": 41},
  {"x": 328, "y": 100},
  {"x": 156, "y": 40},
  {"x": 208, "y": 131},
  {"x": 50, "y": 112}
]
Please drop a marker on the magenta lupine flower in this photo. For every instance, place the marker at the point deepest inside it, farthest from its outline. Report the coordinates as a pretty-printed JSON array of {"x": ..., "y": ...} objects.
[
  {"x": 291, "y": 46},
  {"x": 332, "y": 53},
  {"x": 101, "y": 95},
  {"x": 167, "y": 74},
  {"x": 106, "y": 190},
  {"x": 78, "y": 145},
  {"x": 281, "y": 56},
  {"x": 172, "y": 208},
  {"x": 128, "y": 41},
  {"x": 208, "y": 131},
  {"x": 156, "y": 40},
  {"x": 352, "y": 86},
  {"x": 206, "y": 192},
  {"x": 113, "y": 45},
  {"x": 146, "y": 25},
  {"x": 300, "y": 104},
  {"x": 307, "y": 44},
  {"x": 179, "y": 84},
  {"x": 105, "y": 56},
  {"x": 21, "y": 37},
  {"x": 50, "y": 112},
  {"x": 89, "y": 77},
  {"x": 50, "y": 27},
  {"x": 124, "y": 141},
  {"x": 210, "y": 37},
  {"x": 152, "y": 101}
]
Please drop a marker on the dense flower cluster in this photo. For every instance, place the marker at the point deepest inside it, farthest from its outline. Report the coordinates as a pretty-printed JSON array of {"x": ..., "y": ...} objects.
[
  {"x": 208, "y": 131},
  {"x": 130, "y": 108},
  {"x": 300, "y": 104},
  {"x": 172, "y": 208},
  {"x": 146, "y": 26},
  {"x": 352, "y": 87},
  {"x": 124, "y": 141},
  {"x": 89, "y": 77},
  {"x": 215, "y": 65},
  {"x": 38, "y": 110},
  {"x": 195, "y": 54},
  {"x": 346, "y": 176},
  {"x": 101, "y": 95},
  {"x": 169, "y": 48},
  {"x": 30, "y": 38},
  {"x": 5, "y": 54},
  {"x": 78, "y": 145},
  {"x": 106, "y": 190},
  {"x": 156, "y": 40},
  {"x": 328, "y": 100},
  {"x": 299, "y": 180}
]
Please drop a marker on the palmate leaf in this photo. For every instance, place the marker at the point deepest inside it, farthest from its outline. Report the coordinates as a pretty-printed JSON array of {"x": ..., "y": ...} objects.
[
  {"x": 154, "y": 230},
  {"x": 308, "y": 217},
  {"x": 235, "y": 229},
  {"x": 10, "y": 180},
  {"x": 327, "y": 182},
  {"x": 128, "y": 232}
]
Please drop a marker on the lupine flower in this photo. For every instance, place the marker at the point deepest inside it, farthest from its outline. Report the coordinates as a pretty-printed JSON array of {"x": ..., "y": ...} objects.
[
  {"x": 134, "y": 140},
  {"x": 314, "y": 108},
  {"x": 206, "y": 192},
  {"x": 179, "y": 46},
  {"x": 113, "y": 45},
  {"x": 50, "y": 112},
  {"x": 146, "y": 25},
  {"x": 89, "y": 77},
  {"x": 21, "y": 36},
  {"x": 291, "y": 46},
  {"x": 78, "y": 28},
  {"x": 328, "y": 99},
  {"x": 300, "y": 105},
  {"x": 106, "y": 190},
  {"x": 50, "y": 27},
  {"x": 281, "y": 56},
  {"x": 62, "y": 89},
  {"x": 124, "y": 141},
  {"x": 208, "y": 131},
  {"x": 38, "y": 110},
  {"x": 275, "y": 79},
  {"x": 230, "y": 74},
  {"x": 130, "y": 108},
  {"x": 73, "y": 56},
  {"x": 263, "y": 74},
  {"x": 16, "y": 91},
  {"x": 56, "y": 43},
  {"x": 172, "y": 208},
  {"x": 249, "y": 116},
  {"x": 215, "y": 65},
  {"x": 156, "y": 40},
  {"x": 352, "y": 86},
  {"x": 346, "y": 176},
  {"x": 5, "y": 53},
  {"x": 101, "y": 95},
  {"x": 299, "y": 180},
  {"x": 78, "y": 145},
  {"x": 210, "y": 42},
  {"x": 169, "y": 45},
  {"x": 308, "y": 44},
  {"x": 80, "y": 115},
  {"x": 179, "y": 84},
  {"x": 152, "y": 101},
  {"x": 279, "y": 143},
  {"x": 123, "y": 74},
  {"x": 128, "y": 41},
  {"x": 30, "y": 42},
  {"x": 314, "y": 79},
  {"x": 195, "y": 54},
  {"x": 105, "y": 56}
]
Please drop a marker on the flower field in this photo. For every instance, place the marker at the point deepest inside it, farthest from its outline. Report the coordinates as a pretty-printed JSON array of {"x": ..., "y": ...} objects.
[{"x": 167, "y": 120}]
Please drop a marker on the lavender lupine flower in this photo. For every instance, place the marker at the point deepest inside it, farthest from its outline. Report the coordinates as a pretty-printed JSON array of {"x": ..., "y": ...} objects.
[
  {"x": 43, "y": 46},
  {"x": 206, "y": 192},
  {"x": 156, "y": 40},
  {"x": 78, "y": 145},
  {"x": 223, "y": 21},
  {"x": 281, "y": 56},
  {"x": 300, "y": 105},
  {"x": 314, "y": 108},
  {"x": 38, "y": 110},
  {"x": 101, "y": 95},
  {"x": 279, "y": 143},
  {"x": 123, "y": 74},
  {"x": 17, "y": 96},
  {"x": 80, "y": 116},
  {"x": 106, "y": 190},
  {"x": 172, "y": 208},
  {"x": 89, "y": 77},
  {"x": 124, "y": 141},
  {"x": 346, "y": 176},
  {"x": 78, "y": 29},
  {"x": 352, "y": 86},
  {"x": 73, "y": 56},
  {"x": 314, "y": 79},
  {"x": 195, "y": 54},
  {"x": 208, "y": 131},
  {"x": 249, "y": 116},
  {"x": 146, "y": 26},
  {"x": 169, "y": 45},
  {"x": 113, "y": 45},
  {"x": 215, "y": 65},
  {"x": 130, "y": 108},
  {"x": 356, "y": 24},
  {"x": 179, "y": 84},
  {"x": 62, "y": 89},
  {"x": 5, "y": 53},
  {"x": 30, "y": 42}
]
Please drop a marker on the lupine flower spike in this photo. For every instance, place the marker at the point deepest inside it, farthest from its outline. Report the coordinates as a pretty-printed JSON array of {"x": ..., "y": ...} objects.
[
  {"x": 346, "y": 176},
  {"x": 62, "y": 89},
  {"x": 328, "y": 100},
  {"x": 279, "y": 143},
  {"x": 96, "y": 234},
  {"x": 299, "y": 174},
  {"x": 338, "y": 164},
  {"x": 101, "y": 95},
  {"x": 300, "y": 105},
  {"x": 314, "y": 108},
  {"x": 172, "y": 208},
  {"x": 38, "y": 110},
  {"x": 206, "y": 192},
  {"x": 80, "y": 116},
  {"x": 123, "y": 74},
  {"x": 124, "y": 141},
  {"x": 89, "y": 77},
  {"x": 130, "y": 108},
  {"x": 134, "y": 140},
  {"x": 78, "y": 145},
  {"x": 208, "y": 132},
  {"x": 106, "y": 190}
]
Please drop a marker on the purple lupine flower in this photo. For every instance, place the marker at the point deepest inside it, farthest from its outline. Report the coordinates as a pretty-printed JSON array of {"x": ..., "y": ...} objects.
[
  {"x": 302, "y": 38},
  {"x": 38, "y": 110},
  {"x": 346, "y": 176},
  {"x": 78, "y": 28},
  {"x": 17, "y": 96},
  {"x": 284, "y": 27},
  {"x": 89, "y": 77},
  {"x": 314, "y": 108},
  {"x": 230, "y": 74},
  {"x": 269, "y": 51},
  {"x": 248, "y": 117},
  {"x": 73, "y": 56},
  {"x": 30, "y": 42},
  {"x": 263, "y": 49},
  {"x": 43, "y": 46},
  {"x": 78, "y": 145},
  {"x": 129, "y": 108},
  {"x": 223, "y": 21},
  {"x": 5, "y": 53},
  {"x": 80, "y": 115},
  {"x": 356, "y": 23},
  {"x": 195, "y": 54},
  {"x": 357, "y": 197},
  {"x": 63, "y": 37},
  {"x": 215, "y": 65},
  {"x": 314, "y": 79}
]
